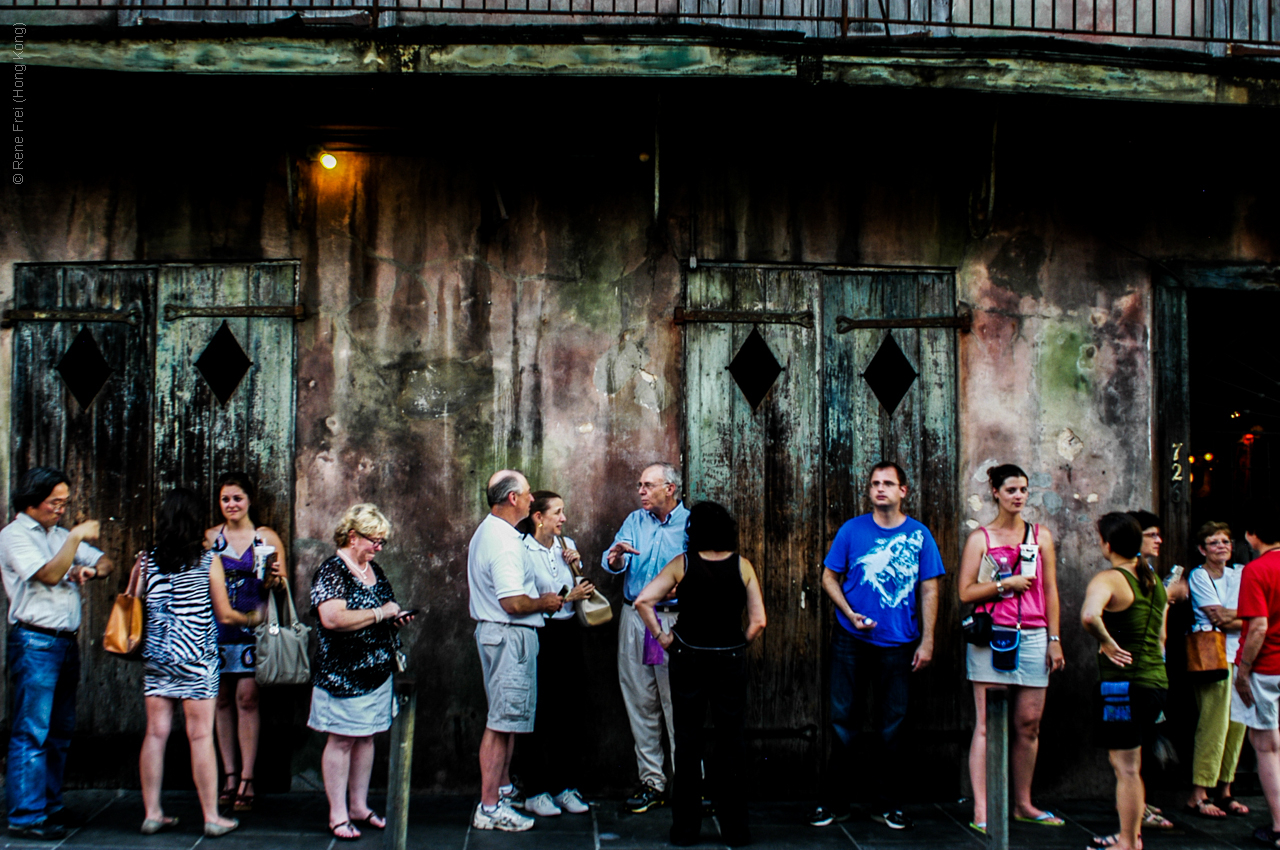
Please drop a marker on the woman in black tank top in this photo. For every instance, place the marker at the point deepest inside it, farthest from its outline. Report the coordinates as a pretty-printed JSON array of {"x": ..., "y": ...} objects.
[{"x": 707, "y": 646}]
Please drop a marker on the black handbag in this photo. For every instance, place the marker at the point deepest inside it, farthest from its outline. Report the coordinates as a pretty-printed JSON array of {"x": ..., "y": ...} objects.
[{"x": 976, "y": 628}]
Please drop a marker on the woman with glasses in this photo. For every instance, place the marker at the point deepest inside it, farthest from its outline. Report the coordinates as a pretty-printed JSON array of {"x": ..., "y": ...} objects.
[
  {"x": 356, "y": 657},
  {"x": 1215, "y": 588},
  {"x": 237, "y": 716}
]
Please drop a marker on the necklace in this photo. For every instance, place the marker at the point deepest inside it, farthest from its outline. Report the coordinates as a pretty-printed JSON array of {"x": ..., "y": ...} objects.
[{"x": 361, "y": 572}]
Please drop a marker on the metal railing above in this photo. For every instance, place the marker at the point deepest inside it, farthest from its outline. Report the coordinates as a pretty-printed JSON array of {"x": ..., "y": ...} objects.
[{"x": 1213, "y": 23}]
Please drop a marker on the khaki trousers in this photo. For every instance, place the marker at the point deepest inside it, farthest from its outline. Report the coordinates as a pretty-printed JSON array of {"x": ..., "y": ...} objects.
[
  {"x": 1218, "y": 739},
  {"x": 646, "y": 691}
]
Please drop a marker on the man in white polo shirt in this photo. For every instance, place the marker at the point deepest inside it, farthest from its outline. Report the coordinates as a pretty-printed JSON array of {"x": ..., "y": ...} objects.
[
  {"x": 43, "y": 566},
  {"x": 507, "y": 609}
]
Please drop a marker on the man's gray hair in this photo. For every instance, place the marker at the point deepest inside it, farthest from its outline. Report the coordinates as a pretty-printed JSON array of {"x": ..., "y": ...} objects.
[
  {"x": 499, "y": 490},
  {"x": 670, "y": 474}
]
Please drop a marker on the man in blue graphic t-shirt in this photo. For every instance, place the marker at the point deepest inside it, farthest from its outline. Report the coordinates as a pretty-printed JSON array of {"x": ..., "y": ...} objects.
[{"x": 881, "y": 573}]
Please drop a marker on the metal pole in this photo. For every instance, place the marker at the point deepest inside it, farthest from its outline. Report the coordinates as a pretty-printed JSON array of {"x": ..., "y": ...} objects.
[
  {"x": 997, "y": 769},
  {"x": 406, "y": 694}
]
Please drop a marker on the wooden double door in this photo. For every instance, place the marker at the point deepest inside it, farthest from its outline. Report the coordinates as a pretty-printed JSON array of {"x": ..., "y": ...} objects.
[
  {"x": 798, "y": 380},
  {"x": 134, "y": 379}
]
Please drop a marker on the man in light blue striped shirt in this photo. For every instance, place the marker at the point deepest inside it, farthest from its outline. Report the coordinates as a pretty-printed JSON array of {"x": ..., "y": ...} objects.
[{"x": 648, "y": 539}]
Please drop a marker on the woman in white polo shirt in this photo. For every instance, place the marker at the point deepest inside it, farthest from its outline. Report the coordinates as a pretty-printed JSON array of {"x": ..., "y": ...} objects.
[{"x": 550, "y": 762}]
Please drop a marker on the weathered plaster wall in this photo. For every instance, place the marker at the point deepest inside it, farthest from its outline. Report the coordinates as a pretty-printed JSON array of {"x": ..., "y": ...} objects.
[{"x": 488, "y": 287}]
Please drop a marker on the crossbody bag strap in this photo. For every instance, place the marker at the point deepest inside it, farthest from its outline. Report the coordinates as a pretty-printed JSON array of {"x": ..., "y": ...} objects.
[{"x": 572, "y": 568}]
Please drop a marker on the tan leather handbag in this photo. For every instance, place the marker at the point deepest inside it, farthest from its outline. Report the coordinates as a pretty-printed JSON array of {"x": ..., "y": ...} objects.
[
  {"x": 123, "y": 636},
  {"x": 595, "y": 610}
]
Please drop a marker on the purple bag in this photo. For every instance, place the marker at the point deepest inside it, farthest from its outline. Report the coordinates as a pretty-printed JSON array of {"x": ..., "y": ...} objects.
[{"x": 653, "y": 651}]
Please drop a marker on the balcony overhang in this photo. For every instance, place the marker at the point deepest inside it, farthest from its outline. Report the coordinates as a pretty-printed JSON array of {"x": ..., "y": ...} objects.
[{"x": 965, "y": 69}]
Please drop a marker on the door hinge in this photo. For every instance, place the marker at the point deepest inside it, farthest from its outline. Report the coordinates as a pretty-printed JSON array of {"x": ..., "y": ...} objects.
[
  {"x": 963, "y": 322},
  {"x": 745, "y": 317},
  {"x": 12, "y": 317},
  {"x": 173, "y": 312}
]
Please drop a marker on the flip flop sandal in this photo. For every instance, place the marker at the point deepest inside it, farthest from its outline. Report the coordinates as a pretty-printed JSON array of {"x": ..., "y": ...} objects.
[
  {"x": 373, "y": 820},
  {"x": 1104, "y": 841},
  {"x": 1201, "y": 809},
  {"x": 1155, "y": 820},
  {"x": 1232, "y": 805},
  {"x": 1045, "y": 819},
  {"x": 978, "y": 827},
  {"x": 353, "y": 834}
]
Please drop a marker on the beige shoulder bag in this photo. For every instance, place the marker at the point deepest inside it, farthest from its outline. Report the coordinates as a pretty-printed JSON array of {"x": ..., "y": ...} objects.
[{"x": 595, "y": 610}]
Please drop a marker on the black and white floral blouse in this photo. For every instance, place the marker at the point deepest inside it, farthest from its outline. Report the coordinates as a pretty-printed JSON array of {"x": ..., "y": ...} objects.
[{"x": 351, "y": 664}]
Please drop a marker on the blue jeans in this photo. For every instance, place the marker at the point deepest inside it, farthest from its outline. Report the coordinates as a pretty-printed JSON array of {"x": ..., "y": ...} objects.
[
  {"x": 43, "y": 674},
  {"x": 858, "y": 757}
]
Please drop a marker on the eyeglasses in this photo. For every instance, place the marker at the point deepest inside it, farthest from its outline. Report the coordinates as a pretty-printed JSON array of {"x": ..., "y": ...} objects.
[
  {"x": 376, "y": 541},
  {"x": 647, "y": 488},
  {"x": 1152, "y": 535}
]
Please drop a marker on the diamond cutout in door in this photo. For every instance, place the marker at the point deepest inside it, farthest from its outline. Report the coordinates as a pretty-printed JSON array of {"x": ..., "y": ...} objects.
[
  {"x": 223, "y": 363},
  {"x": 890, "y": 374},
  {"x": 84, "y": 369},
  {"x": 754, "y": 368}
]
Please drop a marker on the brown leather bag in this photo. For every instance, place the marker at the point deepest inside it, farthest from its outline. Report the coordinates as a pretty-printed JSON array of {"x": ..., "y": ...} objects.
[
  {"x": 1207, "y": 655},
  {"x": 123, "y": 636}
]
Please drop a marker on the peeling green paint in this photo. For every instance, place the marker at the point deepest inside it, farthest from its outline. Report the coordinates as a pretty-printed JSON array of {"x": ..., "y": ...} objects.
[{"x": 1066, "y": 364}]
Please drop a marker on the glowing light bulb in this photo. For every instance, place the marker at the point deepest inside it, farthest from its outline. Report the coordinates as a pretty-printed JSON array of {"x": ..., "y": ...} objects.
[
  {"x": 1208, "y": 456},
  {"x": 328, "y": 160},
  {"x": 1191, "y": 459}
]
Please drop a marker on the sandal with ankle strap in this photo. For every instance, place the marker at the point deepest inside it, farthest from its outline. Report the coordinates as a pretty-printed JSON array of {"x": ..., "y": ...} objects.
[
  {"x": 227, "y": 795},
  {"x": 244, "y": 801}
]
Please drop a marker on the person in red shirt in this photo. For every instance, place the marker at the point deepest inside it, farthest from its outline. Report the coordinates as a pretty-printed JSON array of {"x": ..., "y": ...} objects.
[{"x": 1256, "y": 701}]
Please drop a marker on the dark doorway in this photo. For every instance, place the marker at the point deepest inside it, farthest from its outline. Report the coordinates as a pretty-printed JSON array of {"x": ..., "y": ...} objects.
[{"x": 1234, "y": 402}]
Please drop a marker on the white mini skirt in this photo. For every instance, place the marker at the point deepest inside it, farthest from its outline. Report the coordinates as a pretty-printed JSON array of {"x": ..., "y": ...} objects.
[{"x": 1033, "y": 667}]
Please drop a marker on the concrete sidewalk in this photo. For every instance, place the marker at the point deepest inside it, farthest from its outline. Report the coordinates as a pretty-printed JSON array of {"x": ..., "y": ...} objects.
[{"x": 110, "y": 819}]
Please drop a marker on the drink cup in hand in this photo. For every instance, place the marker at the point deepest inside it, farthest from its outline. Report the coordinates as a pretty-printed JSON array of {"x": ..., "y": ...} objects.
[{"x": 261, "y": 558}]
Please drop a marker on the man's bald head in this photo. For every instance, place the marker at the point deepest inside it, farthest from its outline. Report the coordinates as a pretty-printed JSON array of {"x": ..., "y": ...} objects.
[{"x": 503, "y": 483}]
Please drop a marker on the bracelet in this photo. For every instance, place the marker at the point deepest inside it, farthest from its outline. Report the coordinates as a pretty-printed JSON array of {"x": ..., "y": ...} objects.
[
  {"x": 1054, "y": 638},
  {"x": 377, "y": 615},
  {"x": 999, "y": 587}
]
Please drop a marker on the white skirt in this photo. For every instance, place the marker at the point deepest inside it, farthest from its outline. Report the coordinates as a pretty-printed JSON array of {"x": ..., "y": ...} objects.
[
  {"x": 355, "y": 717},
  {"x": 1032, "y": 672}
]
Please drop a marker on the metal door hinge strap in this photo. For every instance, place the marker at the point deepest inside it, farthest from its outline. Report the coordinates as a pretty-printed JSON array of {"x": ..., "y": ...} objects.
[
  {"x": 173, "y": 312},
  {"x": 11, "y": 317},
  {"x": 964, "y": 322},
  {"x": 746, "y": 317}
]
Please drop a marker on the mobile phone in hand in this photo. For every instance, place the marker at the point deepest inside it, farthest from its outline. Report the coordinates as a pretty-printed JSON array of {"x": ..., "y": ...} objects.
[{"x": 404, "y": 615}]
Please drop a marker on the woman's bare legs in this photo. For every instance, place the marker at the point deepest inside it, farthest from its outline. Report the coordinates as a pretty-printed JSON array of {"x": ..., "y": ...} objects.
[
  {"x": 151, "y": 759},
  {"x": 1129, "y": 796},
  {"x": 978, "y": 754},
  {"x": 204, "y": 760},
  {"x": 1028, "y": 707},
  {"x": 358, "y": 781},
  {"x": 226, "y": 728}
]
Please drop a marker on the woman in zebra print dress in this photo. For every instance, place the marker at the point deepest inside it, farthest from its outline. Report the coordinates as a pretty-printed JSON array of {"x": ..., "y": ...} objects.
[{"x": 185, "y": 592}]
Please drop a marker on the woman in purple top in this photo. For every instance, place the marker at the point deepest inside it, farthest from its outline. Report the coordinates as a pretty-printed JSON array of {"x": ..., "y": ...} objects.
[
  {"x": 1009, "y": 569},
  {"x": 237, "y": 711}
]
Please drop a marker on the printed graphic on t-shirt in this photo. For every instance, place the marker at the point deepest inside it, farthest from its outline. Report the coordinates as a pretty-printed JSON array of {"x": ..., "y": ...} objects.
[{"x": 891, "y": 567}]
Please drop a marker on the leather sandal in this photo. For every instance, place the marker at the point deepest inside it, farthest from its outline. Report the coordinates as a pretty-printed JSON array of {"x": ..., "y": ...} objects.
[
  {"x": 227, "y": 795},
  {"x": 373, "y": 820},
  {"x": 244, "y": 795},
  {"x": 1233, "y": 806}
]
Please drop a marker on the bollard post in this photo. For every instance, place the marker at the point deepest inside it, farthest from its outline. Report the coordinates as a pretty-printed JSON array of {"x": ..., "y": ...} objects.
[
  {"x": 997, "y": 769},
  {"x": 406, "y": 695}
]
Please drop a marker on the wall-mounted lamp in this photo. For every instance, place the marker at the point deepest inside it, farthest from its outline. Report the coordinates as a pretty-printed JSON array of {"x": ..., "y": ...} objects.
[{"x": 315, "y": 153}]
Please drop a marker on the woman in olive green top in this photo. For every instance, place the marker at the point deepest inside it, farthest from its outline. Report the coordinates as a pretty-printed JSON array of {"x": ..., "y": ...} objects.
[{"x": 1124, "y": 608}]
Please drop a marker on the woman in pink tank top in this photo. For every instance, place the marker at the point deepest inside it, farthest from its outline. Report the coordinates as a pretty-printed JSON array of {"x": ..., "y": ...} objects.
[{"x": 1009, "y": 570}]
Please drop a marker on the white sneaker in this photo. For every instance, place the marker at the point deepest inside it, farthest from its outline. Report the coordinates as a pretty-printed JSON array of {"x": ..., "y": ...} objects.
[
  {"x": 505, "y": 819},
  {"x": 541, "y": 805},
  {"x": 571, "y": 801}
]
